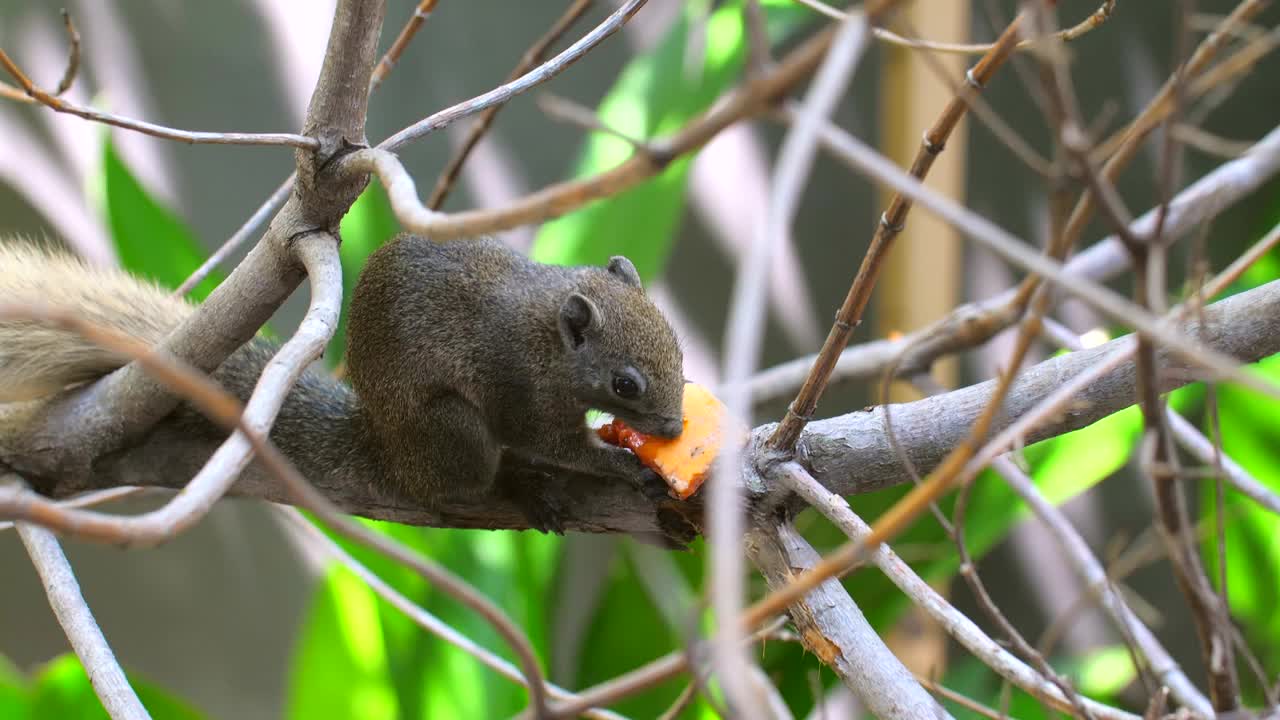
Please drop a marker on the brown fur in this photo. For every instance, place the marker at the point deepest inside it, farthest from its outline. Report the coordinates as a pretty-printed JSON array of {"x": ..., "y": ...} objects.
[{"x": 458, "y": 353}]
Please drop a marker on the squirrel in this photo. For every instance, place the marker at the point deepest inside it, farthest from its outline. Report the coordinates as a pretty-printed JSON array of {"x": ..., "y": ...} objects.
[{"x": 457, "y": 353}]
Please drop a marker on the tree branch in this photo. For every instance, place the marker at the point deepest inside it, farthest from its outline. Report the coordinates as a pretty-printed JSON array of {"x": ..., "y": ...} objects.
[
  {"x": 923, "y": 596},
  {"x": 833, "y": 628},
  {"x": 100, "y": 664},
  {"x": 849, "y": 454}
]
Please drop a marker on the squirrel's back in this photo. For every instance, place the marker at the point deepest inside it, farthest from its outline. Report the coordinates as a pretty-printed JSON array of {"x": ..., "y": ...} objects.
[{"x": 37, "y": 360}]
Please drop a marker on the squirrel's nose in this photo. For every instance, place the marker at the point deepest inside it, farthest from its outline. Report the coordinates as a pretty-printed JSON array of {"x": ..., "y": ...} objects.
[{"x": 673, "y": 428}]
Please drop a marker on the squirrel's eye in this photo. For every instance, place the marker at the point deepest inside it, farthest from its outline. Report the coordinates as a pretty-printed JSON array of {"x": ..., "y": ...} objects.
[{"x": 625, "y": 387}]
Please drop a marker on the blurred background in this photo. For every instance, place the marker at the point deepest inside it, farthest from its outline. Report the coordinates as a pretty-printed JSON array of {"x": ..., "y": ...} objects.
[{"x": 240, "y": 621}]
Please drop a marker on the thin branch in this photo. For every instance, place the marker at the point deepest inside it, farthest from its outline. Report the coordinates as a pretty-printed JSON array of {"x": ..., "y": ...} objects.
[
  {"x": 751, "y": 98},
  {"x": 421, "y": 617},
  {"x": 246, "y": 232},
  {"x": 57, "y": 104},
  {"x": 1091, "y": 572},
  {"x": 100, "y": 664},
  {"x": 973, "y": 324},
  {"x": 68, "y": 75},
  {"x": 534, "y": 55},
  {"x": 506, "y": 91},
  {"x": 1125, "y": 349},
  {"x": 891, "y": 223},
  {"x": 1004, "y": 244},
  {"x": 1095, "y": 20},
  {"x": 278, "y": 198},
  {"x": 568, "y": 111},
  {"x": 73, "y": 54},
  {"x": 1194, "y": 442},
  {"x": 1100, "y": 362},
  {"x": 90, "y": 499},
  {"x": 388, "y": 62}
]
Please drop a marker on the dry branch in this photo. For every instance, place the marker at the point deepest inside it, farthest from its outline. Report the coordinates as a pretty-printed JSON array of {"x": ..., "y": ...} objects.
[{"x": 100, "y": 664}]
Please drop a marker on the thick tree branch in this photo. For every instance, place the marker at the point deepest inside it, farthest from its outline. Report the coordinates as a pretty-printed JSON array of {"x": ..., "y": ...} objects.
[
  {"x": 833, "y": 628},
  {"x": 848, "y": 454}
]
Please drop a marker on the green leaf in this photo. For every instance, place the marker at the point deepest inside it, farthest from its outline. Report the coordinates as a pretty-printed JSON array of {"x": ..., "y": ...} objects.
[
  {"x": 151, "y": 240},
  {"x": 340, "y": 665},
  {"x": 427, "y": 677},
  {"x": 15, "y": 696},
  {"x": 970, "y": 678},
  {"x": 61, "y": 691},
  {"x": 365, "y": 228},
  {"x": 1105, "y": 672},
  {"x": 656, "y": 94},
  {"x": 1250, "y": 425}
]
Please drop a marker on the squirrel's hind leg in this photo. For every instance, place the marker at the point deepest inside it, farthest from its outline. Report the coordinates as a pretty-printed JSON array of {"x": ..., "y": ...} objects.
[{"x": 453, "y": 453}]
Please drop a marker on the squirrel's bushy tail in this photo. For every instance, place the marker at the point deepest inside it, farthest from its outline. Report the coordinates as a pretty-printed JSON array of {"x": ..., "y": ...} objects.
[{"x": 38, "y": 360}]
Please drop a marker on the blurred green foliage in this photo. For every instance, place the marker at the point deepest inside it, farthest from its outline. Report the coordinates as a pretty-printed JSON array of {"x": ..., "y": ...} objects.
[
  {"x": 357, "y": 657},
  {"x": 60, "y": 690}
]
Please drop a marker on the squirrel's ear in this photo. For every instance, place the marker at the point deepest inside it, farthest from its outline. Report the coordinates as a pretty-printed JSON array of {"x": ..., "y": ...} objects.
[
  {"x": 578, "y": 316},
  {"x": 625, "y": 271}
]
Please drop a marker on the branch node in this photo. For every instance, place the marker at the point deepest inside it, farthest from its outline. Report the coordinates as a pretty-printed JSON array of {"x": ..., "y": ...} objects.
[{"x": 891, "y": 227}]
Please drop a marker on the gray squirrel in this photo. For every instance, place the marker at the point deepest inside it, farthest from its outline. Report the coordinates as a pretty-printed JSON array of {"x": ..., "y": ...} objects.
[{"x": 457, "y": 353}]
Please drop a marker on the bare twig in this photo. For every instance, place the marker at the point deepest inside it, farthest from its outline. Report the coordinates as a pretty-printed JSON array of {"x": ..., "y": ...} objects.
[
  {"x": 891, "y": 522},
  {"x": 525, "y": 82},
  {"x": 556, "y": 200},
  {"x": 565, "y": 110},
  {"x": 531, "y": 57},
  {"x": 100, "y": 664},
  {"x": 68, "y": 75},
  {"x": 91, "y": 499},
  {"x": 1094, "y": 576},
  {"x": 73, "y": 54},
  {"x": 1014, "y": 251},
  {"x": 1096, "y": 19},
  {"x": 891, "y": 222},
  {"x": 247, "y": 231},
  {"x": 57, "y": 104},
  {"x": 388, "y": 62}
]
